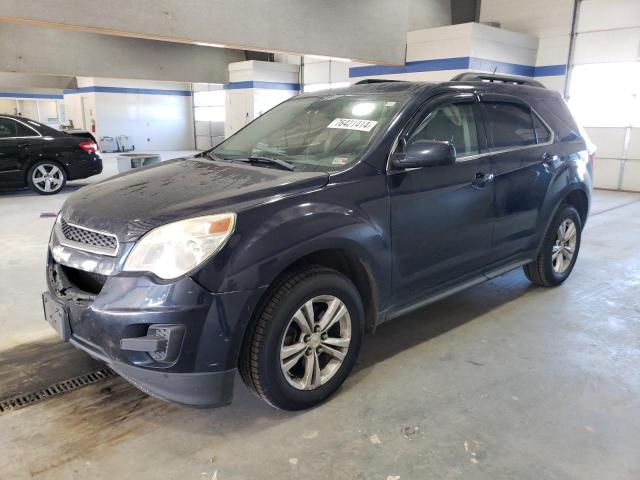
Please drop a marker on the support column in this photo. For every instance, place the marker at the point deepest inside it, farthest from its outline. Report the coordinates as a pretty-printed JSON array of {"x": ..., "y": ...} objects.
[{"x": 255, "y": 87}]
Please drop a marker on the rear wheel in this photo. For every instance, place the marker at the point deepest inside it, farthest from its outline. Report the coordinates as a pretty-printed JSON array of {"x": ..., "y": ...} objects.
[
  {"x": 305, "y": 339},
  {"x": 46, "y": 177},
  {"x": 559, "y": 250}
]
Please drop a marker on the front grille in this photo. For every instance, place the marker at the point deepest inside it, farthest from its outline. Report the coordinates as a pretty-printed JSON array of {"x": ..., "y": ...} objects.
[
  {"x": 101, "y": 241},
  {"x": 89, "y": 282}
]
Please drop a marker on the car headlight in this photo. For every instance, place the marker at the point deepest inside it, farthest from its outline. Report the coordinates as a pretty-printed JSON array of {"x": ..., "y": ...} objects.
[{"x": 174, "y": 249}]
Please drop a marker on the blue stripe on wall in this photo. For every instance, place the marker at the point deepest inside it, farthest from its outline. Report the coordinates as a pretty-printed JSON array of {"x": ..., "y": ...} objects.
[
  {"x": 455, "y": 63},
  {"x": 259, "y": 84},
  {"x": 460, "y": 63},
  {"x": 549, "y": 70},
  {"x": 139, "y": 91},
  {"x": 46, "y": 96}
]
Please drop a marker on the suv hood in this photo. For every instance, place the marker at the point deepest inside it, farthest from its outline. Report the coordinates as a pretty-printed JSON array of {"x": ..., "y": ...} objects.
[{"x": 130, "y": 204}]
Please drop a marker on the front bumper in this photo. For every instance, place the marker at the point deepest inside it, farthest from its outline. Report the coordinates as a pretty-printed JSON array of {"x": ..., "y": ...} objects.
[{"x": 203, "y": 372}]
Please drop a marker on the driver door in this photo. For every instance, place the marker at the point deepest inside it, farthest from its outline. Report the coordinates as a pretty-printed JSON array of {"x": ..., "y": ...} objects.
[{"x": 441, "y": 216}]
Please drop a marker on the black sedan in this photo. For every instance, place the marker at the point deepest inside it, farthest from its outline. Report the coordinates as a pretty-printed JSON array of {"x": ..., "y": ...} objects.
[{"x": 41, "y": 157}]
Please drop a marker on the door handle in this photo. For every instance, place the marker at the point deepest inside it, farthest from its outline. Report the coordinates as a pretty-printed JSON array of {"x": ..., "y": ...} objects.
[{"x": 481, "y": 179}]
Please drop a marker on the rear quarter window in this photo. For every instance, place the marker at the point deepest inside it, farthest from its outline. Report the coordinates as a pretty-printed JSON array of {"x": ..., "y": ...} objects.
[{"x": 556, "y": 113}]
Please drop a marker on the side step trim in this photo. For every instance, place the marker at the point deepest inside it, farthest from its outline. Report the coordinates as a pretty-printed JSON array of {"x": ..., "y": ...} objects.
[{"x": 490, "y": 275}]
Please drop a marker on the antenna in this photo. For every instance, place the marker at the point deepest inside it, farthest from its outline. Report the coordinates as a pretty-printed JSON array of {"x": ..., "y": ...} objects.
[{"x": 494, "y": 70}]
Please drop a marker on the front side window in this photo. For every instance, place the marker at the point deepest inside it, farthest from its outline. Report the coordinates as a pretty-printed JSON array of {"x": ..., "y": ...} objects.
[
  {"x": 509, "y": 125},
  {"x": 454, "y": 123},
  {"x": 319, "y": 133}
]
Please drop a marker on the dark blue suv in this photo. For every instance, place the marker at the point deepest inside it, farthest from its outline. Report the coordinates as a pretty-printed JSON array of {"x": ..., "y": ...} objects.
[{"x": 330, "y": 214}]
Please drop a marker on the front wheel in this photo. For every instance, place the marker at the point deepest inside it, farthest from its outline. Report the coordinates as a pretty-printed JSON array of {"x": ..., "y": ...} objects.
[
  {"x": 559, "y": 250},
  {"x": 305, "y": 339},
  {"x": 46, "y": 177}
]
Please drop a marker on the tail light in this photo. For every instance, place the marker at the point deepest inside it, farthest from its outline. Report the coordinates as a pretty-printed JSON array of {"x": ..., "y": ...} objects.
[{"x": 89, "y": 146}]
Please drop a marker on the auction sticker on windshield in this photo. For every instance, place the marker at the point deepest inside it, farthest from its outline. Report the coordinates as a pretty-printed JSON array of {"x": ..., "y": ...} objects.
[{"x": 353, "y": 124}]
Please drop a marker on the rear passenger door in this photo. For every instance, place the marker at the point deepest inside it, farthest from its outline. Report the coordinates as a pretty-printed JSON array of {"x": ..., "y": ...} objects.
[
  {"x": 16, "y": 141},
  {"x": 522, "y": 154}
]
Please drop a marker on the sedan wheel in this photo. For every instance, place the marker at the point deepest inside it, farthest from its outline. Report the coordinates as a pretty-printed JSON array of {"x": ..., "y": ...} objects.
[{"x": 47, "y": 178}]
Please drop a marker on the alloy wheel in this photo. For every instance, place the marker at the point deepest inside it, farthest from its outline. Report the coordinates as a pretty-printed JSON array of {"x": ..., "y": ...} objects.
[
  {"x": 47, "y": 177},
  {"x": 315, "y": 342},
  {"x": 565, "y": 246}
]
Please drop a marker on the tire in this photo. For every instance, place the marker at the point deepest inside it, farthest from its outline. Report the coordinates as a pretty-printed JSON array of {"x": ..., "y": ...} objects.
[
  {"x": 548, "y": 270},
  {"x": 47, "y": 185},
  {"x": 279, "y": 325}
]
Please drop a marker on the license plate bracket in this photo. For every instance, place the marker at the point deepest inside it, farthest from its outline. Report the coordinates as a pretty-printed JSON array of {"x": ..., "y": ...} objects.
[{"x": 56, "y": 315}]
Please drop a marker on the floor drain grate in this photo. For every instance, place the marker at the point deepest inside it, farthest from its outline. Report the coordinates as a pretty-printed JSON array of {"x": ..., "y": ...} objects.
[{"x": 21, "y": 401}]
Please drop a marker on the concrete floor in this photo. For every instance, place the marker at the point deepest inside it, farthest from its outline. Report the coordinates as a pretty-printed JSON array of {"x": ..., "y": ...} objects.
[{"x": 505, "y": 380}]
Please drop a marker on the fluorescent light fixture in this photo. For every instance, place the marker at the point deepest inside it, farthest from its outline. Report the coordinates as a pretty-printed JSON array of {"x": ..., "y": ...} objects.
[
  {"x": 205, "y": 44},
  {"x": 319, "y": 57},
  {"x": 326, "y": 58}
]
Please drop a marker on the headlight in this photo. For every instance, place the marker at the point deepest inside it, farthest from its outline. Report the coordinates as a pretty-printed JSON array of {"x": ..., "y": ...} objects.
[{"x": 174, "y": 249}]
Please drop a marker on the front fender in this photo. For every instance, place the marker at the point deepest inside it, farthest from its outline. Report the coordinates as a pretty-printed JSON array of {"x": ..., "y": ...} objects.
[{"x": 352, "y": 216}]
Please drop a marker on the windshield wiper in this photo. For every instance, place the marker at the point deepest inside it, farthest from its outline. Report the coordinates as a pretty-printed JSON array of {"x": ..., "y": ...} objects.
[
  {"x": 268, "y": 160},
  {"x": 211, "y": 155}
]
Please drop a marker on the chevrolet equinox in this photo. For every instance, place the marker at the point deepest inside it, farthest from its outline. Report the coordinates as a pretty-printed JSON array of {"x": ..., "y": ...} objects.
[{"x": 272, "y": 253}]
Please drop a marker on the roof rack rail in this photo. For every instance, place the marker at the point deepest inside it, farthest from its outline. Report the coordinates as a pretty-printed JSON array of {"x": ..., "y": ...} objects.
[
  {"x": 492, "y": 77},
  {"x": 367, "y": 81}
]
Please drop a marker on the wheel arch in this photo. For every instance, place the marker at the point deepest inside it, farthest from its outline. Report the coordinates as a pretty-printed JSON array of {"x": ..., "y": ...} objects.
[
  {"x": 343, "y": 260},
  {"x": 575, "y": 195}
]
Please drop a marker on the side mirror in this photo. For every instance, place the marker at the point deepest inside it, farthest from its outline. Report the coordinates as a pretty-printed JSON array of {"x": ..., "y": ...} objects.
[{"x": 425, "y": 153}]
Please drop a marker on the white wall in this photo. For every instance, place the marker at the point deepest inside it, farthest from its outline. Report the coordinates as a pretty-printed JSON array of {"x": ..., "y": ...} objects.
[
  {"x": 548, "y": 20},
  {"x": 438, "y": 54},
  {"x": 153, "y": 120},
  {"x": 254, "y": 87}
]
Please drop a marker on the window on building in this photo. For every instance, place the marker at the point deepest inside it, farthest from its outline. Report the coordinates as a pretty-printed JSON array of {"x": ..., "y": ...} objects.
[
  {"x": 606, "y": 94},
  {"x": 209, "y": 106}
]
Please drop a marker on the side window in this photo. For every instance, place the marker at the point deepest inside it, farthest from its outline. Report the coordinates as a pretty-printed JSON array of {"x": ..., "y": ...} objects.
[
  {"x": 7, "y": 128},
  {"x": 23, "y": 131},
  {"x": 453, "y": 123},
  {"x": 543, "y": 135},
  {"x": 509, "y": 125}
]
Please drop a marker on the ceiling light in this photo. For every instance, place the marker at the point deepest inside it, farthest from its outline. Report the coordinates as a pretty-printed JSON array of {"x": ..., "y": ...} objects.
[{"x": 205, "y": 44}]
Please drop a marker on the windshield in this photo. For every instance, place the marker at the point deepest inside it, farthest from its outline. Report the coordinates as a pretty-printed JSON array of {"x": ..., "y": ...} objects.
[{"x": 314, "y": 133}]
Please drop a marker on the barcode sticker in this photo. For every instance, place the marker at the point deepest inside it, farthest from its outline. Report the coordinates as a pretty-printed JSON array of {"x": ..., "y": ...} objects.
[{"x": 353, "y": 124}]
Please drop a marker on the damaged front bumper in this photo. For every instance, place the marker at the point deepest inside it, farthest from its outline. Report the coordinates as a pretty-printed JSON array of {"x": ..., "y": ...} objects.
[{"x": 176, "y": 341}]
